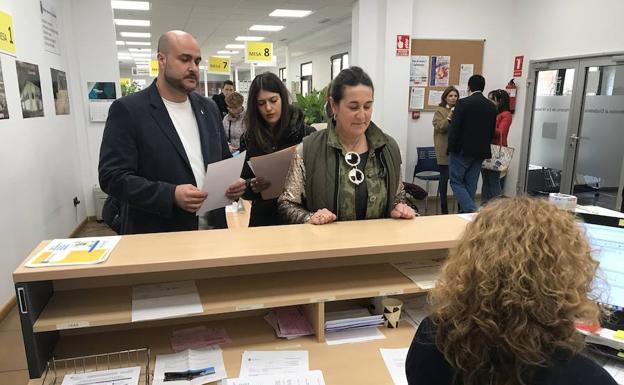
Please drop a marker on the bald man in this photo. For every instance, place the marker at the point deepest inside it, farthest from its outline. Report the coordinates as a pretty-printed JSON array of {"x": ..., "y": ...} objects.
[{"x": 157, "y": 144}]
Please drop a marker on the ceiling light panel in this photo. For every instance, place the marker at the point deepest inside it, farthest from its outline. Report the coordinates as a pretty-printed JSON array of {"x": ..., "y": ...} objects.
[
  {"x": 269, "y": 28},
  {"x": 138, "y": 43},
  {"x": 249, "y": 38},
  {"x": 222, "y": 52},
  {"x": 290, "y": 13},
  {"x": 132, "y": 5},
  {"x": 133, "y": 22},
  {"x": 235, "y": 46},
  {"x": 136, "y": 34}
]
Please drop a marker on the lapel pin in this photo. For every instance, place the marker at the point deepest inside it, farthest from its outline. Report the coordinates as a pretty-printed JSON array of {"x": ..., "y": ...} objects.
[{"x": 202, "y": 112}]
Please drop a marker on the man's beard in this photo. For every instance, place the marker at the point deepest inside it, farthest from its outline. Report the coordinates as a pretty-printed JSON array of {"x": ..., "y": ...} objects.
[{"x": 178, "y": 84}]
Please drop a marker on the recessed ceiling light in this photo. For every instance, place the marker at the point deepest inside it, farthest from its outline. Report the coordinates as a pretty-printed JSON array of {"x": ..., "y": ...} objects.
[
  {"x": 141, "y": 50},
  {"x": 132, "y": 22},
  {"x": 120, "y": 42},
  {"x": 138, "y": 43},
  {"x": 290, "y": 13},
  {"x": 222, "y": 56},
  {"x": 235, "y": 46},
  {"x": 136, "y": 34},
  {"x": 270, "y": 28},
  {"x": 222, "y": 52},
  {"x": 134, "y": 5},
  {"x": 249, "y": 38},
  {"x": 137, "y": 54}
]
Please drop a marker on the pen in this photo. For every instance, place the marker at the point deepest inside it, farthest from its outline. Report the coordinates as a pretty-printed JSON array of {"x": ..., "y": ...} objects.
[{"x": 93, "y": 246}]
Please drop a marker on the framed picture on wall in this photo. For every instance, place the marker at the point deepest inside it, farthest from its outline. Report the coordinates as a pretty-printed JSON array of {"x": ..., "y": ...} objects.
[
  {"x": 30, "y": 89},
  {"x": 4, "y": 111},
  {"x": 61, "y": 95}
]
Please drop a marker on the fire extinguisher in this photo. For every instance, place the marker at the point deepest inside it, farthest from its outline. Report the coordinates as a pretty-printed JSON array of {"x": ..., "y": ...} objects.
[{"x": 511, "y": 90}]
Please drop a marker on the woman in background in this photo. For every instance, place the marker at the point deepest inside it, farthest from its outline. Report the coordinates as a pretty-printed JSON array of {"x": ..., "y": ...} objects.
[
  {"x": 234, "y": 121},
  {"x": 441, "y": 121},
  {"x": 505, "y": 304},
  {"x": 273, "y": 124},
  {"x": 492, "y": 186}
]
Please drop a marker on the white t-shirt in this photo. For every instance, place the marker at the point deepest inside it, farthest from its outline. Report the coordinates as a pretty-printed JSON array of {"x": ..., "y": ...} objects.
[{"x": 183, "y": 119}]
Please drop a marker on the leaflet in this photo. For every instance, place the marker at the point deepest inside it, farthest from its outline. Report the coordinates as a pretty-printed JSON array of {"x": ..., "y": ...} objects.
[{"x": 74, "y": 251}]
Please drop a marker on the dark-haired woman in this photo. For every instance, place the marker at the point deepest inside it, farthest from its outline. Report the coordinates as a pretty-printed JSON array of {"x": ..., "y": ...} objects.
[
  {"x": 441, "y": 121},
  {"x": 349, "y": 171},
  {"x": 272, "y": 125},
  {"x": 492, "y": 187}
]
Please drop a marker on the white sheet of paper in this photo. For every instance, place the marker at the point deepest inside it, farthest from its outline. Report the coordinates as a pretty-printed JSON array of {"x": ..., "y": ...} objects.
[
  {"x": 220, "y": 176},
  {"x": 192, "y": 359},
  {"x": 467, "y": 217},
  {"x": 419, "y": 71},
  {"x": 274, "y": 168},
  {"x": 434, "y": 97},
  {"x": 165, "y": 300},
  {"x": 417, "y": 98},
  {"x": 423, "y": 273},
  {"x": 395, "y": 363},
  {"x": 122, "y": 376},
  {"x": 314, "y": 377},
  {"x": 465, "y": 72},
  {"x": 351, "y": 336},
  {"x": 263, "y": 363}
]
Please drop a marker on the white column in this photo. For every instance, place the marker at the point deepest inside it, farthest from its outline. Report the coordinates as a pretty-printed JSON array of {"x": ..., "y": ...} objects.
[
  {"x": 375, "y": 25},
  {"x": 236, "y": 78}
]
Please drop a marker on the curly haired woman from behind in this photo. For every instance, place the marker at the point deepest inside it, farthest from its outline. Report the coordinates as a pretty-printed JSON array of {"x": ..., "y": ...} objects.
[{"x": 504, "y": 307}]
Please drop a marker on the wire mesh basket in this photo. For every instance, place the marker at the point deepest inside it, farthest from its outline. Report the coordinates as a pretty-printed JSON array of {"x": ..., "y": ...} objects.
[{"x": 57, "y": 369}]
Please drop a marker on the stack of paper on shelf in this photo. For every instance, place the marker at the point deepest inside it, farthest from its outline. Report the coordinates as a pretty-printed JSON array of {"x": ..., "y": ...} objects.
[
  {"x": 289, "y": 322},
  {"x": 190, "y": 367},
  {"x": 277, "y": 368},
  {"x": 165, "y": 300},
  {"x": 198, "y": 337},
  {"x": 415, "y": 308},
  {"x": 121, "y": 376},
  {"x": 423, "y": 272},
  {"x": 351, "y": 319}
]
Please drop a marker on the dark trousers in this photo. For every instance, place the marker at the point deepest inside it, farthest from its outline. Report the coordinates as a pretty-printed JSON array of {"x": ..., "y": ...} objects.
[{"x": 443, "y": 187}]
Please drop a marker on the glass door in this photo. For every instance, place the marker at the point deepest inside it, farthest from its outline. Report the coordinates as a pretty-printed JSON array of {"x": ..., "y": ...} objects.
[
  {"x": 550, "y": 121},
  {"x": 598, "y": 172}
]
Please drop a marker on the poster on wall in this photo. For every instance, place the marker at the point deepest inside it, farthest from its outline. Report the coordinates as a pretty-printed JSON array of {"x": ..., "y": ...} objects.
[
  {"x": 465, "y": 72},
  {"x": 4, "y": 111},
  {"x": 419, "y": 71},
  {"x": 101, "y": 96},
  {"x": 440, "y": 70},
  {"x": 61, "y": 95},
  {"x": 30, "y": 89},
  {"x": 50, "y": 26},
  {"x": 417, "y": 98}
]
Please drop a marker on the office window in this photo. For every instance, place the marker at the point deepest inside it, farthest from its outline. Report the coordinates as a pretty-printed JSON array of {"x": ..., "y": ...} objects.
[
  {"x": 338, "y": 63},
  {"x": 306, "y": 78},
  {"x": 282, "y": 74}
]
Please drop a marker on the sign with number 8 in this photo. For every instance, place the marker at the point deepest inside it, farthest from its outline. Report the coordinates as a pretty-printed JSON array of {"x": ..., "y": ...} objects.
[{"x": 258, "y": 52}]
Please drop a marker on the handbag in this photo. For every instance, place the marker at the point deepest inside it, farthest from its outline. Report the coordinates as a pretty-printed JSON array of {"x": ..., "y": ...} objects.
[{"x": 501, "y": 157}]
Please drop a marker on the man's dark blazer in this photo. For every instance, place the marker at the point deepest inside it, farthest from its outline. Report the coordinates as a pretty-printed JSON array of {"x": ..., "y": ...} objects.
[
  {"x": 142, "y": 160},
  {"x": 472, "y": 127},
  {"x": 220, "y": 100}
]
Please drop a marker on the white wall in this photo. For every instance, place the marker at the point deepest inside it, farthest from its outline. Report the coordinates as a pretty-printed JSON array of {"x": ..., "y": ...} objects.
[
  {"x": 321, "y": 65},
  {"x": 457, "y": 19},
  {"x": 40, "y": 170}
]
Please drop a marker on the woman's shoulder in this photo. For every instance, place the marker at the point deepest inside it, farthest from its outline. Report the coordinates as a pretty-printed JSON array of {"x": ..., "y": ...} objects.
[
  {"x": 442, "y": 110},
  {"x": 581, "y": 369}
]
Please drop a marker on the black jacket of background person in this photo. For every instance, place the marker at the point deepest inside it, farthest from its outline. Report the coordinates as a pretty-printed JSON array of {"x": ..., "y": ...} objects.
[
  {"x": 425, "y": 365},
  {"x": 142, "y": 160},
  {"x": 264, "y": 212},
  {"x": 472, "y": 127},
  {"x": 220, "y": 100}
]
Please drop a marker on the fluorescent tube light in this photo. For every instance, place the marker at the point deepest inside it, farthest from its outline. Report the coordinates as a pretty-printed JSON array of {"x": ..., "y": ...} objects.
[
  {"x": 120, "y": 42},
  {"x": 249, "y": 38},
  {"x": 136, "y": 34},
  {"x": 222, "y": 52},
  {"x": 235, "y": 46},
  {"x": 141, "y": 55},
  {"x": 138, "y": 43},
  {"x": 133, "y": 23},
  {"x": 140, "y": 50},
  {"x": 269, "y": 28},
  {"x": 290, "y": 13},
  {"x": 133, "y": 5}
]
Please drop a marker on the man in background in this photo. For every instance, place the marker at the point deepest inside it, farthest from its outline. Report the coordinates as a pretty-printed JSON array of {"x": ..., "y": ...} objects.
[
  {"x": 157, "y": 144},
  {"x": 470, "y": 133},
  {"x": 227, "y": 89}
]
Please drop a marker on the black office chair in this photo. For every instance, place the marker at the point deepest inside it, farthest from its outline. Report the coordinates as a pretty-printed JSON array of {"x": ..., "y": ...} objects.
[{"x": 427, "y": 169}]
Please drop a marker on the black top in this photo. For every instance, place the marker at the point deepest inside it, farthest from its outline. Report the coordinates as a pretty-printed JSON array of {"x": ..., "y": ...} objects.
[
  {"x": 220, "y": 100},
  {"x": 361, "y": 191},
  {"x": 426, "y": 365},
  {"x": 472, "y": 127}
]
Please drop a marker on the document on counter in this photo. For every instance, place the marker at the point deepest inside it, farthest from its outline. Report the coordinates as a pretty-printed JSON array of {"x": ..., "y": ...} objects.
[
  {"x": 122, "y": 376},
  {"x": 75, "y": 251},
  {"x": 262, "y": 363},
  {"x": 350, "y": 336},
  {"x": 395, "y": 363},
  {"x": 274, "y": 168},
  {"x": 190, "y": 367},
  {"x": 165, "y": 300},
  {"x": 314, "y": 377},
  {"x": 424, "y": 273},
  {"x": 220, "y": 176}
]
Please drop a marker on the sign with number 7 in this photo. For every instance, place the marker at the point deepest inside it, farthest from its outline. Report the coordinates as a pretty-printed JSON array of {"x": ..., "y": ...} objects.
[{"x": 219, "y": 65}]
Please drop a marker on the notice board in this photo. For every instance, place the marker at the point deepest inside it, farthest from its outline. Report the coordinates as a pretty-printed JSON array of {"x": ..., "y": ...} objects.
[{"x": 449, "y": 63}]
